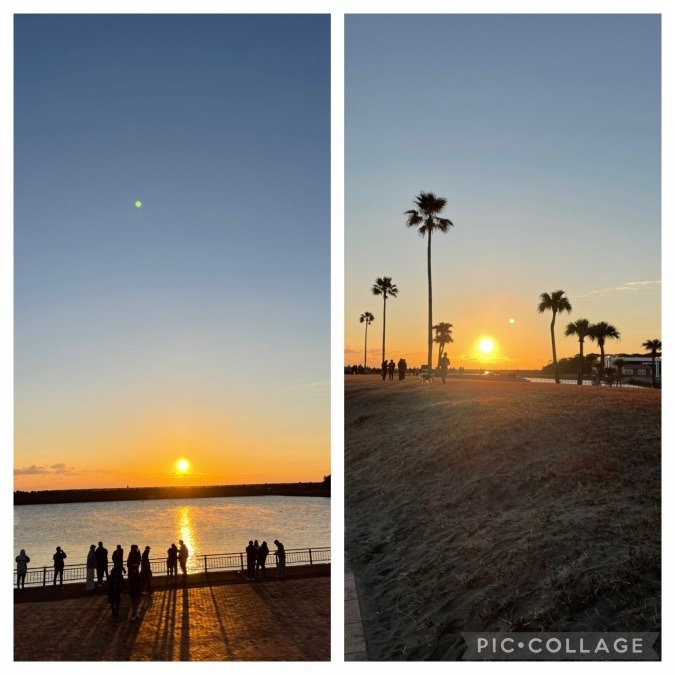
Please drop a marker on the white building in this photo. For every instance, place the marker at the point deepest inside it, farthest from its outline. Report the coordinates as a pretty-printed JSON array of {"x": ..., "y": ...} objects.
[{"x": 635, "y": 366}]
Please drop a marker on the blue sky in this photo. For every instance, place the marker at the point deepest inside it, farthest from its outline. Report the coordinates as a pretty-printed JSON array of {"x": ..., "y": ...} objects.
[
  {"x": 199, "y": 303},
  {"x": 544, "y": 134}
]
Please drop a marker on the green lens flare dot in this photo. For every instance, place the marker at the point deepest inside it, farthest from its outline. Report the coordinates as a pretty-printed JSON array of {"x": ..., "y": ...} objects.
[{"x": 138, "y": 204}]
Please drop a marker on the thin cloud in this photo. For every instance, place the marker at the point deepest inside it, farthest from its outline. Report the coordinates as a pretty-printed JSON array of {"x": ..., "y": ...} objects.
[
  {"x": 628, "y": 286},
  {"x": 34, "y": 470}
]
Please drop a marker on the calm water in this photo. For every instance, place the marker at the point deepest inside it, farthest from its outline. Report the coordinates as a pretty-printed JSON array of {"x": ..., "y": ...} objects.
[{"x": 218, "y": 525}]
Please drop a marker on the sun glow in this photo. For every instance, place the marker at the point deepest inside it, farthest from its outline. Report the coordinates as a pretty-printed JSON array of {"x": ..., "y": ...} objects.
[
  {"x": 182, "y": 465},
  {"x": 486, "y": 345}
]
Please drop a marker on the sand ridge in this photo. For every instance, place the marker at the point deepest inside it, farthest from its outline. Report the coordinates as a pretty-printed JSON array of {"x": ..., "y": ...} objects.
[{"x": 482, "y": 505}]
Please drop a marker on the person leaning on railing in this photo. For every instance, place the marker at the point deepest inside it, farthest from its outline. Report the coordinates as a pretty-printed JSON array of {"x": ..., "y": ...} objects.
[
  {"x": 281, "y": 559},
  {"x": 22, "y": 561}
]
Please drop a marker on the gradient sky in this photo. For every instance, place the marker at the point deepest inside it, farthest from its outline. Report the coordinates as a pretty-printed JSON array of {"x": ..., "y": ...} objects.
[
  {"x": 196, "y": 326},
  {"x": 544, "y": 134}
]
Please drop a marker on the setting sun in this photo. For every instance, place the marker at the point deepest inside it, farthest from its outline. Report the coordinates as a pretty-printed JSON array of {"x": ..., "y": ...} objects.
[
  {"x": 486, "y": 345},
  {"x": 182, "y": 465}
]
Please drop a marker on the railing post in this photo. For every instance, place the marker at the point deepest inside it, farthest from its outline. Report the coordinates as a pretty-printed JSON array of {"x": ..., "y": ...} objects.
[
  {"x": 241, "y": 561},
  {"x": 44, "y": 577},
  {"x": 206, "y": 569},
  {"x": 310, "y": 557}
]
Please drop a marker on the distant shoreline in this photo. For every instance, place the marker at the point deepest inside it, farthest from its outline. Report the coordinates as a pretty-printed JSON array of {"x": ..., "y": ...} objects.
[{"x": 24, "y": 498}]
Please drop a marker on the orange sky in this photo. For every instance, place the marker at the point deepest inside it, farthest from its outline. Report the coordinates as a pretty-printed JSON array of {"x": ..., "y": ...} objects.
[{"x": 523, "y": 344}]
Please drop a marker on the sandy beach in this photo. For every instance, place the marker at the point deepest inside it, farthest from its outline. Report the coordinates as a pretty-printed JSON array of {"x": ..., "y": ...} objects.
[{"x": 504, "y": 506}]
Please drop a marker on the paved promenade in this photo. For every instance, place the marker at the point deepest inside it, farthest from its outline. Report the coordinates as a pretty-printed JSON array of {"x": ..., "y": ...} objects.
[
  {"x": 216, "y": 620},
  {"x": 355, "y": 644}
]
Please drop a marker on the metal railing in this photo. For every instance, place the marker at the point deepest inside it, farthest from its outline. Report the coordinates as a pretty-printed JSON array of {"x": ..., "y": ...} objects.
[{"x": 44, "y": 576}]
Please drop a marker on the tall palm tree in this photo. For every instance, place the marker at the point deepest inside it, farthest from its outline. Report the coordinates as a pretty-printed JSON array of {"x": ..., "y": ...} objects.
[
  {"x": 386, "y": 289},
  {"x": 653, "y": 346},
  {"x": 442, "y": 337},
  {"x": 599, "y": 332},
  {"x": 366, "y": 318},
  {"x": 580, "y": 329},
  {"x": 426, "y": 218},
  {"x": 556, "y": 302}
]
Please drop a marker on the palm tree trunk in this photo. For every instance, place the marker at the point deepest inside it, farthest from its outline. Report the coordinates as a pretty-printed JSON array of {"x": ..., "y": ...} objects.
[
  {"x": 555, "y": 358},
  {"x": 365, "y": 349},
  {"x": 602, "y": 361},
  {"x": 580, "y": 376},
  {"x": 653, "y": 369},
  {"x": 384, "y": 325},
  {"x": 429, "y": 341}
]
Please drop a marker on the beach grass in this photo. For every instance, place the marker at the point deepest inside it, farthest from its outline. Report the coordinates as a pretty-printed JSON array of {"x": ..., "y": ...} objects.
[{"x": 500, "y": 506}]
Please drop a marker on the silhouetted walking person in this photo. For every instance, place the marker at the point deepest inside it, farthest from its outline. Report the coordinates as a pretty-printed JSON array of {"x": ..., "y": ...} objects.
[
  {"x": 22, "y": 561},
  {"x": 59, "y": 557},
  {"x": 172, "y": 561},
  {"x": 391, "y": 368},
  {"x": 135, "y": 591},
  {"x": 118, "y": 558},
  {"x": 134, "y": 557},
  {"x": 101, "y": 563},
  {"x": 146, "y": 570},
  {"x": 401, "y": 368},
  {"x": 250, "y": 561},
  {"x": 281, "y": 559},
  {"x": 91, "y": 568},
  {"x": 263, "y": 551},
  {"x": 183, "y": 554},
  {"x": 444, "y": 363},
  {"x": 115, "y": 585},
  {"x": 385, "y": 365}
]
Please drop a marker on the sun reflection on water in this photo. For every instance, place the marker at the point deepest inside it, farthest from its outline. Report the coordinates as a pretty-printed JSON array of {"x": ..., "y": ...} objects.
[{"x": 186, "y": 532}]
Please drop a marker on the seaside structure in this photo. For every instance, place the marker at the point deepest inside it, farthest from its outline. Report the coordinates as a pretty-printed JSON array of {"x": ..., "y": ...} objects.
[{"x": 637, "y": 366}]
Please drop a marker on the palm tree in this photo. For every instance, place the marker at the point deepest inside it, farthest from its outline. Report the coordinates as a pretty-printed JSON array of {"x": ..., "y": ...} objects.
[
  {"x": 556, "y": 302},
  {"x": 653, "y": 346},
  {"x": 580, "y": 329},
  {"x": 599, "y": 332},
  {"x": 366, "y": 318},
  {"x": 386, "y": 289},
  {"x": 442, "y": 337},
  {"x": 426, "y": 217}
]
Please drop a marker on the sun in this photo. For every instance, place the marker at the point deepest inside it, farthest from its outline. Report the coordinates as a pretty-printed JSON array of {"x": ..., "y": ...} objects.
[
  {"x": 486, "y": 345},
  {"x": 182, "y": 465}
]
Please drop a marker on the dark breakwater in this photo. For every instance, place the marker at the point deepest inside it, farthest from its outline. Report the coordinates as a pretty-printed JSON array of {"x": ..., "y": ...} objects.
[{"x": 22, "y": 498}]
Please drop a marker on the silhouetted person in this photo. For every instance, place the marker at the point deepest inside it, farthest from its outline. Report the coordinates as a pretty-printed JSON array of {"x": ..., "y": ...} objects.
[
  {"x": 146, "y": 570},
  {"x": 118, "y": 558},
  {"x": 115, "y": 586},
  {"x": 250, "y": 561},
  {"x": 183, "y": 554},
  {"x": 59, "y": 557},
  {"x": 401, "y": 368},
  {"x": 22, "y": 561},
  {"x": 135, "y": 591},
  {"x": 444, "y": 363},
  {"x": 91, "y": 568},
  {"x": 263, "y": 552},
  {"x": 134, "y": 557},
  {"x": 391, "y": 367},
  {"x": 172, "y": 561},
  {"x": 281, "y": 559},
  {"x": 101, "y": 563},
  {"x": 385, "y": 365},
  {"x": 355, "y": 370}
]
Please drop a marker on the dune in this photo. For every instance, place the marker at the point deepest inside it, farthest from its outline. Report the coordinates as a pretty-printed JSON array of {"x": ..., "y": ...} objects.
[{"x": 500, "y": 506}]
